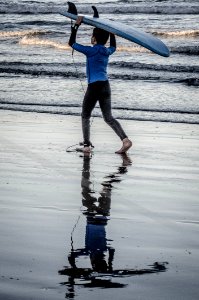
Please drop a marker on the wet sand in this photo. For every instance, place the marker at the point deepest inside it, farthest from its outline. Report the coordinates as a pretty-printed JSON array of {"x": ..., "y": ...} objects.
[{"x": 100, "y": 227}]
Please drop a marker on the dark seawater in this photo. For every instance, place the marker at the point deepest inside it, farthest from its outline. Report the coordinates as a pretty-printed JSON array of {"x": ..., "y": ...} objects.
[{"x": 38, "y": 73}]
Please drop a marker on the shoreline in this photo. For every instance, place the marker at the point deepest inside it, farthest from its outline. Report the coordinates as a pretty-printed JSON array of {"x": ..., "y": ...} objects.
[{"x": 119, "y": 117}]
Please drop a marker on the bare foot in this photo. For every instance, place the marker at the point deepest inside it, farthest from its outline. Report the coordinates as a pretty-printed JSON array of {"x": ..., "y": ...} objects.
[{"x": 125, "y": 147}]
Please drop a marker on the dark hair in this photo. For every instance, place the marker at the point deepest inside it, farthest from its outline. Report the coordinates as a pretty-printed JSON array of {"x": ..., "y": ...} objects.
[{"x": 101, "y": 35}]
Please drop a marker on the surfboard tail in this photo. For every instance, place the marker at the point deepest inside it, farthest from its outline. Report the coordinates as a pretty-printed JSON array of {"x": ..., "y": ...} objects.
[
  {"x": 96, "y": 14},
  {"x": 72, "y": 9}
]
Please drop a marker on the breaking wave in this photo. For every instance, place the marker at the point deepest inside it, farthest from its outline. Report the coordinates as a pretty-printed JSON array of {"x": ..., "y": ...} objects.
[
  {"x": 185, "y": 33},
  {"x": 29, "y": 38},
  {"x": 191, "y": 50},
  {"x": 32, "y": 32},
  {"x": 26, "y": 40},
  {"x": 43, "y": 43},
  {"x": 51, "y": 8},
  {"x": 169, "y": 68},
  {"x": 119, "y": 70}
]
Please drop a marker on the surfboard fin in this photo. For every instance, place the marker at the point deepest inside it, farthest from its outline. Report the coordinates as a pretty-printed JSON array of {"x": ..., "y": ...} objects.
[
  {"x": 72, "y": 8},
  {"x": 96, "y": 14}
]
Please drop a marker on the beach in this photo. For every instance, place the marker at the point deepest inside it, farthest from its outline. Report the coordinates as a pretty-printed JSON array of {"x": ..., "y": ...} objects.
[
  {"x": 103, "y": 225},
  {"x": 143, "y": 207}
]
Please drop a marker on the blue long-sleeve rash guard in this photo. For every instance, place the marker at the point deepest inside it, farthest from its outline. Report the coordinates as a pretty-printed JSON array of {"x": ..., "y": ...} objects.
[{"x": 97, "y": 60}]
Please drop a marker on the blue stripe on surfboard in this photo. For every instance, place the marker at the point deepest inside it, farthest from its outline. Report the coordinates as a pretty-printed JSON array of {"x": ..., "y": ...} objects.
[{"x": 132, "y": 34}]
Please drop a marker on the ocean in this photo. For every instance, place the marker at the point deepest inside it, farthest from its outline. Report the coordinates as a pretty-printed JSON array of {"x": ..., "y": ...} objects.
[{"x": 39, "y": 74}]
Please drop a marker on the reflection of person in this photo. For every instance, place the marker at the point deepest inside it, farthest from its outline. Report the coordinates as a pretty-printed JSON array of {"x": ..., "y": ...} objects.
[
  {"x": 98, "y": 85},
  {"x": 97, "y": 248},
  {"x": 97, "y": 214}
]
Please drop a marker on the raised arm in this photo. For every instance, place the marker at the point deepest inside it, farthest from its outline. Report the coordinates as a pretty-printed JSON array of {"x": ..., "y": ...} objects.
[
  {"x": 112, "y": 40},
  {"x": 74, "y": 29}
]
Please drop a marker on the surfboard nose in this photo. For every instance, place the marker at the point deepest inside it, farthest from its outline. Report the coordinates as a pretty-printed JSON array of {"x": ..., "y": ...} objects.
[{"x": 164, "y": 51}]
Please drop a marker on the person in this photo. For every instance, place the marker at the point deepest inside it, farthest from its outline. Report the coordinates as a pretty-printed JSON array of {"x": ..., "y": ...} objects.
[{"x": 98, "y": 84}]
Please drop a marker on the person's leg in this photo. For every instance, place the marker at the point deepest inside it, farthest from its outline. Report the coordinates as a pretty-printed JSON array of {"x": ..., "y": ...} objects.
[
  {"x": 87, "y": 107},
  {"x": 105, "y": 105}
]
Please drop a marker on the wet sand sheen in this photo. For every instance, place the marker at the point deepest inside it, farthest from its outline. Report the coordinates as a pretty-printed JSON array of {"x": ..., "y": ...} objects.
[{"x": 101, "y": 226}]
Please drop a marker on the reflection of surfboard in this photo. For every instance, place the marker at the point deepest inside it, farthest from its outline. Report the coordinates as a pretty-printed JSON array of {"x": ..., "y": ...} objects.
[{"x": 125, "y": 31}]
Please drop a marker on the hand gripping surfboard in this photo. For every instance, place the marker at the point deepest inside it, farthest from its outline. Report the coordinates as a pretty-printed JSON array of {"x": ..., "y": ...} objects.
[{"x": 127, "y": 32}]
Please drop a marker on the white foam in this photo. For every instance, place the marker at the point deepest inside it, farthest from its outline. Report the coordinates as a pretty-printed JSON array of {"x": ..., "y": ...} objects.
[
  {"x": 187, "y": 33},
  {"x": 43, "y": 43},
  {"x": 10, "y": 34}
]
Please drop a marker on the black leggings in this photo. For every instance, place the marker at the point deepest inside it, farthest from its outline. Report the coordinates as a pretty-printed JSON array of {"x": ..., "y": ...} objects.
[{"x": 99, "y": 91}]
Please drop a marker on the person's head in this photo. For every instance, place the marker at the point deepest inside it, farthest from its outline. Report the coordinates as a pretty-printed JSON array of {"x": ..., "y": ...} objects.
[{"x": 99, "y": 36}]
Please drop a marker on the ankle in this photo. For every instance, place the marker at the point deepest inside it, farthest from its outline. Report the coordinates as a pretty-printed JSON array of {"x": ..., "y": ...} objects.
[{"x": 126, "y": 140}]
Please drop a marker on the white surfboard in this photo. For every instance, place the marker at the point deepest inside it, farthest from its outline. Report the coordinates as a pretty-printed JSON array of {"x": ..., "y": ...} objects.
[{"x": 127, "y": 32}]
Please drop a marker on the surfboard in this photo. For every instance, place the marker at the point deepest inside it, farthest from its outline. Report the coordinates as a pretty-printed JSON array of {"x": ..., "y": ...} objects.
[{"x": 127, "y": 32}]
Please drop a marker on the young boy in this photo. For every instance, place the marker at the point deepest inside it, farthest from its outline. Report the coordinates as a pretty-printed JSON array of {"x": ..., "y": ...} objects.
[{"x": 98, "y": 85}]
